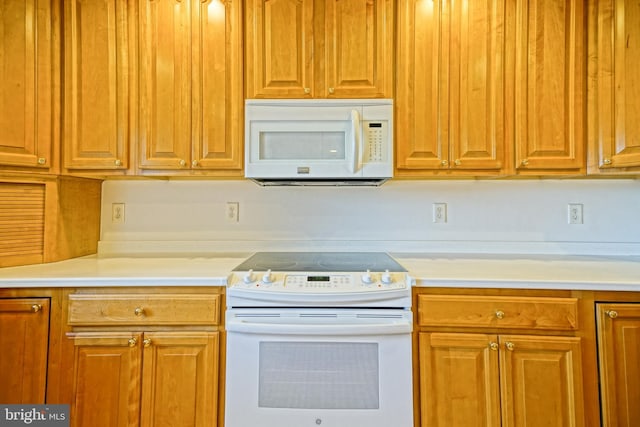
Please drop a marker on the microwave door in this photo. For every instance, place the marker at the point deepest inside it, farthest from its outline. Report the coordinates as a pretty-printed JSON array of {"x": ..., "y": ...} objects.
[{"x": 305, "y": 148}]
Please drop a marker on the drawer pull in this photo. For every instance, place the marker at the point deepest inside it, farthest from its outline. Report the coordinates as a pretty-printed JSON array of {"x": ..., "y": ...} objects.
[
  {"x": 510, "y": 345},
  {"x": 132, "y": 342},
  {"x": 500, "y": 314},
  {"x": 611, "y": 313},
  {"x": 36, "y": 308},
  {"x": 147, "y": 342},
  {"x": 139, "y": 311},
  {"x": 494, "y": 346}
]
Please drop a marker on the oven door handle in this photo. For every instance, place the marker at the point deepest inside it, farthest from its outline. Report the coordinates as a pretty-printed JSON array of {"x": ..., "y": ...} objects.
[{"x": 343, "y": 329}]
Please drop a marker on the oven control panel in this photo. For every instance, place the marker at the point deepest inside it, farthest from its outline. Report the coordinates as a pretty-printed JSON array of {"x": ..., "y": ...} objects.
[{"x": 319, "y": 282}]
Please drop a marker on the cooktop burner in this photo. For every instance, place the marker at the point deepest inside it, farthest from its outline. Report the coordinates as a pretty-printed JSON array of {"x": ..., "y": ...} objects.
[{"x": 320, "y": 262}]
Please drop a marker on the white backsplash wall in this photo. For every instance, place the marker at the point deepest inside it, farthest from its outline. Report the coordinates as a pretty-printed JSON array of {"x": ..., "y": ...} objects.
[{"x": 515, "y": 216}]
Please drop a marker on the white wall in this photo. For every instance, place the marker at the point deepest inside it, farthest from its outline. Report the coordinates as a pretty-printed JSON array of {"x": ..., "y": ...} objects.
[{"x": 528, "y": 216}]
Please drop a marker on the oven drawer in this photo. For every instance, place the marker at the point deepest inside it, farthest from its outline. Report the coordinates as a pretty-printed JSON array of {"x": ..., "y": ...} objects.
[
  {"x": 498, "y": 312},
  {"x": 140, "y": 309}
]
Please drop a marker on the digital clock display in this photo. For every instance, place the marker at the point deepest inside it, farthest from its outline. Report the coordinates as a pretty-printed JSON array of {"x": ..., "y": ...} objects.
[{"x": 318, "y": 278}]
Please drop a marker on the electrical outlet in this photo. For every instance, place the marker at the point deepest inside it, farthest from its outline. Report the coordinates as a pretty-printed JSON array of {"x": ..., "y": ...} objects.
[
  {"x": 117, "y": 213},
  {"x": 575, "y": 213},
  {"x": 231, "y": 212},
  {"x": 440, "y": 212}
]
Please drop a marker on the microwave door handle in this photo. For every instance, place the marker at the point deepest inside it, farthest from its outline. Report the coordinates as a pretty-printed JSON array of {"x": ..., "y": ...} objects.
[{"x": 356, "y": 132}]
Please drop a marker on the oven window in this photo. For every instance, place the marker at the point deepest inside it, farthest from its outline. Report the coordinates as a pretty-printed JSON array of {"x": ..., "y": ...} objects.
[{"x": 318, "y": 375}]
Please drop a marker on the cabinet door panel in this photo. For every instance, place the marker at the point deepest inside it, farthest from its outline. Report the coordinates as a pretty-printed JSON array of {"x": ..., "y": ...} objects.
[
  {"x": 106, "y": 379},
  {"x": 96, "y": 133},
  {"x": 549, "y": 68},
  {"x": 24, "y": 337},
  {"x": 619, "y": 353},
  {"x": 614, "y": 107},
  {"x": 217, "y": 96},
  {"x": 180, "y": 379},
  {"x": 421, "y": 114},
  {"x": 541, "y": 381},
  {"x": 26, "y": 83},
  {"x": 279, "y": 48},
  {"x": 459, "y": 380},
  {"x": 165, "y": 84},
  {"x": 477, "y": 132},
  {"x": 359, "y": 47}
]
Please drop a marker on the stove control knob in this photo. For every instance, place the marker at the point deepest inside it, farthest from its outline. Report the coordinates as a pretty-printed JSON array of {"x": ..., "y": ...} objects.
[
  {"x": 267, "y": 278},
  {"x": 386, "y": 278},
  {"x": 248, "y": 278},
  {"x": 366, "y": 278}
]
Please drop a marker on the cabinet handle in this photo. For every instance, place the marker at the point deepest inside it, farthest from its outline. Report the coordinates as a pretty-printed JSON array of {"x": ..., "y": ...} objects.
[
  {"x": 494, "y": 346},
  {"x": 307, "y": 90},
  {"x": 139, "y": 311},
  {"x": 607, "y": 161},
  {"x": 525, "y": 162},
  {"x": 147, "y": 342},
  {"x": 499, "y": 314},
  {"x": 132, "y": 342},
  {"x": 611, "y": 313},
  {"x": 194, "y": 164},
  {"x": 444, "y": 163},
  {"x": 36, "y": 308},
  {"x": 42, "y": 160},
  {"x": 118, "y": 162},
  {"x": 510, "y": 345},
  {"x": 331, "y": 90},
  {"x": 182, "y": 162},
  {"x": 457, "y": 162}
]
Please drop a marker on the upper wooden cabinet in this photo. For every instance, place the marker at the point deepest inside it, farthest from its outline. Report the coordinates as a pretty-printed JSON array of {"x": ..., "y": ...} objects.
[
  {"x": 29, "y": 66},
  {"x": 97, "y": 85},
  {"x": 549, "y": 77},
  {"x": 450, "y": 103},
  {"x": 319, "y": 49},
  {"x": 614, "y": 86},
  {"x": 191, "y": 101}
]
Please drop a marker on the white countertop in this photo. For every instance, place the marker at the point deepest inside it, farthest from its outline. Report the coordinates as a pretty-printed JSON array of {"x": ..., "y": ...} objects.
[{"x": 448, "y": 270}]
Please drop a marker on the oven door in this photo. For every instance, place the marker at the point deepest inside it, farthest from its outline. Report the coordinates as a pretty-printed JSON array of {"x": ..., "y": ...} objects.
[{"x": 314, "y": 367}]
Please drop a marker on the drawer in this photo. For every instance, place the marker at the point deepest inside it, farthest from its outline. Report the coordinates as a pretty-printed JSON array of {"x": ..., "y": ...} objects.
[
  {"x": 140, "y": 309},
  {"x": 498, "y": 312}
]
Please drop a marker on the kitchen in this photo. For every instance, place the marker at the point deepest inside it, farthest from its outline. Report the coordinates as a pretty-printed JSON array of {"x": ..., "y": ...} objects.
[{"x": 485, "y": 238}]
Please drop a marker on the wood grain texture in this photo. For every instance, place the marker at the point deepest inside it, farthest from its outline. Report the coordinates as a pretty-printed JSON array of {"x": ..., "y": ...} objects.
[{"x": 22, "y": 222}]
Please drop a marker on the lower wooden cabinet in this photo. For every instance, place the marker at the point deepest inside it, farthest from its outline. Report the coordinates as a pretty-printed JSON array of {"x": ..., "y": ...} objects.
[
  {"x": 494, "y": 380},
  {"x": 144, "y": 357},
  {"x": 148, "y": 379},
  {"x": 24, "y": 341},
  {"x": 619, "y": 361}
]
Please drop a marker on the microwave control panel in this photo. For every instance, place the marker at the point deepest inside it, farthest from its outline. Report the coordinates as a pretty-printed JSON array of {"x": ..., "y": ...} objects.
[{"x": 375, "y": 134}]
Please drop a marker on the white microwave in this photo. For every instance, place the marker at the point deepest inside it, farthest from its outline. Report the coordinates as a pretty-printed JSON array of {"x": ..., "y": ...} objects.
[{"x": 319, "y": 142}]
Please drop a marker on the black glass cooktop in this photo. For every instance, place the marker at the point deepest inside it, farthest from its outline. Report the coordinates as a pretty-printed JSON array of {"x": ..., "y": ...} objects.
[{"x": 320, "y": 262}]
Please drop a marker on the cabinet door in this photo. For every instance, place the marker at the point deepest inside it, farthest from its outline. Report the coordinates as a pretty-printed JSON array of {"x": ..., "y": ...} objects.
[
  {"x": 541, "y": 381},
  {"x": 217, "y": 97},
  {"x": 279, "y": 37},
  {"x": 96, "y": 104},
  {"x": 358, "y": 38},
  {"x": 459, "y": 380},
  {"x": 165, "y": 84},
  {"x": 26, "y": 83},
  {"x": 451, "y": 86},
  {"x": 180, "y": 379},
  {"x": 549, "y": 86},
  {"x": 614, "y": 111},
  {"x": 106, "y": 379},
  {"x": 619, "y": 353},
  {"x": 24, "y": 338},
  {"x": 422, "y": 101}
]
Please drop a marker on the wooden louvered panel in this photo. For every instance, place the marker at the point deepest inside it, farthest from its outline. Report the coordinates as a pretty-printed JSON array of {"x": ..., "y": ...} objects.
[{"x": 21, "y": 219}]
